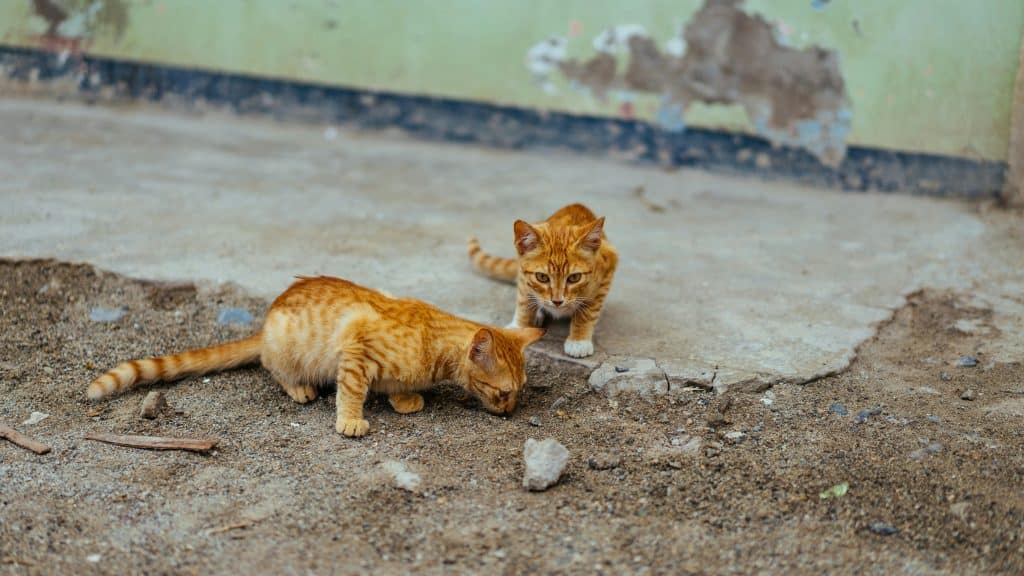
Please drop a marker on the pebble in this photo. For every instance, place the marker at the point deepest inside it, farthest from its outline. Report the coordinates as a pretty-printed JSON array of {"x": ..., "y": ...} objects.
[
  {"x": 926, "y": 451},
  {"x": 882, "y": 529},
  {"x": 621, "y": 369},
  {"x": 234, "y": 316},
  {"x": 604, "y": 461},
  {"x": 100, "y": 314},
  {"x": 401, "y": 477},
  {"x": 154, "y": 402},
  {"x": 944, "y": 376},
  {"x": 713, "y": 449},
  {"x": 534, "y": 421},
  {"x": 559, "y": 402},
  {"x": 35, "y": 418},
  {"x": 545, "y": 462},
  {"x": 967, "y": 362},
  {"x": 934, "y": 418},
  {"x": 838, "y": 409},
  {"x": 94, "y": 558},
  {"x": 735, "y": 437},
  {"x": 897, "y": 421},
  {"x": 968, "y": 395},
  {"x": 865, "y": 414}
]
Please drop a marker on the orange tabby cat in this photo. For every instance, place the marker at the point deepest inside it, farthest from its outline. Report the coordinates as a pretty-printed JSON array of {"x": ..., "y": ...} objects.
[
  {"x": 323, "y": 329},
  {"x": 565, "y": 269}
]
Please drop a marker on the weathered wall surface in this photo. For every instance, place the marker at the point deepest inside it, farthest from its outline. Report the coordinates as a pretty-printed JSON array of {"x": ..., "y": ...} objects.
[{"x": 931, "y": 76}]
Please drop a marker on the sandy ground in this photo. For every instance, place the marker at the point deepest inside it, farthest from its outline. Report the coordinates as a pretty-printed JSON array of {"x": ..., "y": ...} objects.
[{"x": 285, "y": 494}]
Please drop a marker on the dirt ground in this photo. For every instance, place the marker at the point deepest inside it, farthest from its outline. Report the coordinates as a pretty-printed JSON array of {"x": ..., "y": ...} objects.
[{"x": 934, "y": 481}]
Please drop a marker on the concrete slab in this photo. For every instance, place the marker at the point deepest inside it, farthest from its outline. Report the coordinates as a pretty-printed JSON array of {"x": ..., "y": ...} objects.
[{"x": 722, "y": 280}]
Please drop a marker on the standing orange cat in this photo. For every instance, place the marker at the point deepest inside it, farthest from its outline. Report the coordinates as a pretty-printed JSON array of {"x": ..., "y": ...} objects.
[
  {"x": 565, "y": 269},
  {"x": 324, "y": 329}
]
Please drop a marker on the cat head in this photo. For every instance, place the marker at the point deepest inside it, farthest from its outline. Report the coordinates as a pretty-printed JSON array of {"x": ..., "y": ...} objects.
[
  {"x": 495, "y": 366},
  {"x": 558, "y": 262}
]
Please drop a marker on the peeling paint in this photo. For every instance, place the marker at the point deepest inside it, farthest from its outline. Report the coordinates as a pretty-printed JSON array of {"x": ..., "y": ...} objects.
[
  {"x": 794, "y": 97},
  {"x": 67, "y": 20}
]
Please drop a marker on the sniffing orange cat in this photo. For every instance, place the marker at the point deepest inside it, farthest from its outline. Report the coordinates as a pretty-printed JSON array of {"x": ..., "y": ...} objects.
[
  {"x": 323, "y": 329},
  {"x": 565, "y": 269}
]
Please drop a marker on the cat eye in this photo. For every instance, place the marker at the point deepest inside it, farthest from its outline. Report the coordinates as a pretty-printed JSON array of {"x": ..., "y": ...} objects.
[
  {"x": 542, "y": 277},
  {"x": 574, "y": 278}
]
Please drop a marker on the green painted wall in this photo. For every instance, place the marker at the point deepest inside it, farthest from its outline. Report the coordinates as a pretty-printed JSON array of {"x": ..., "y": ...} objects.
[{"x": 923, "y": 75}]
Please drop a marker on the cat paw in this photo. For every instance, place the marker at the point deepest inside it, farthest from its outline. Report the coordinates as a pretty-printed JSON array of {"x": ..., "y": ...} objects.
[
  {"x": 352, "y": 427},
  {"x": 406, "y": 403},
  {"x": 301, "y": 394},
  {"x": 579, "y": 348}
]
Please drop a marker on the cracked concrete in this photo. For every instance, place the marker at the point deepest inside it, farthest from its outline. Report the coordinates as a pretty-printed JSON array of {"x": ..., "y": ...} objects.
[{"x": 724, "y": 282}]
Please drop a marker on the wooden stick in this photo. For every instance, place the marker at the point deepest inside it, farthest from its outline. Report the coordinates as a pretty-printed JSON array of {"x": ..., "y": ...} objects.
[
  {"x": 21, "y": 440},
  {"x": 228, "y": 527},
  {"x": 155, "y": 442}
]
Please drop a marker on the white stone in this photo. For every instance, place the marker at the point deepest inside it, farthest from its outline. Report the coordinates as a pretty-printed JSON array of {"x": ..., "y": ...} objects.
[{"x": 545, "y": 462}]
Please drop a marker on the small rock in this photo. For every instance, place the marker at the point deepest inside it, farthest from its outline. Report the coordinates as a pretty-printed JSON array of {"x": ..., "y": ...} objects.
[
  {"x": 94, "y": 558},
  {"x": 153, "y": 404},
  {"x": 967, "y": 362},
  {"x": 100, "y": 314},
  {"x": 928, "y": 450},
  {"x": 401, "y": 476},
  {"x": 866, "y": 414},
  {"x": 926, "y": 390},
  {"x": 944, "y": 376},
  {"x": 882, "y": 529},
  {"x": 959, "y": 509},
  {"x": 897, "y": 421},
  {"x": 968, "y": 395},
  {"x": 545, "y": 462},
  {"x": 534, "y": 421},
  {"x": 234, "y": 316},
  {"x": 735, "y": 437},
  {"x": 713, "y": 449},
  {"x": 604, "y": 461},
  {"x": 838, "y": 409},
  {"x": 35, "y": 418},
  {"x": 768, "y": 399},
  {"x": 692, "y": 446},
  {"x": 934, "y": 418},
  {"x": 559, "y": 402},
  {"x": 48, "y": 370},
  {"x": 641, "y": 375}
]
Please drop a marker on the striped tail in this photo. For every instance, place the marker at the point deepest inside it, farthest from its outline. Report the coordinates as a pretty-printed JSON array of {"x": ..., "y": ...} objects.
[
  {"x": 504, "y": 269},
  {"x": 127, "y": 375}
]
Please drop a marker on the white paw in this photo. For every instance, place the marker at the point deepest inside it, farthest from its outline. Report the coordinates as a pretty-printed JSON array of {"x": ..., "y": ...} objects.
[
  {"x": 512, "y": 324},
  {"x": 579, "y": 348}
]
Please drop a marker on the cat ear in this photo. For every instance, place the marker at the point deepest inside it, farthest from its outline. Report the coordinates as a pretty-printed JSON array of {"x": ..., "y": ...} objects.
[
  {"x": 591, "y": 241},
  {"x": 527, "y": 336},
  {"x": 481, "y": 350},
  {"x": 527, "y": 239}
]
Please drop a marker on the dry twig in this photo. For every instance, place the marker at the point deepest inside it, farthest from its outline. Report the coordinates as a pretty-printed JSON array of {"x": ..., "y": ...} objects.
[
  {"x": 21, "y": 440},
  {"x": 155, "y": 442}
]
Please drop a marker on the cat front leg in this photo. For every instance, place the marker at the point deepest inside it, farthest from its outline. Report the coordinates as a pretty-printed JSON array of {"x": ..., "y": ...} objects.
[
  {"x": 355, "y": 372},
  {"x": 580, "y": 342}
]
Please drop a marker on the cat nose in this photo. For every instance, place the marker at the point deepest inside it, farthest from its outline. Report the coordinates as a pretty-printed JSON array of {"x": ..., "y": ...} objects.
[{"x": 557, "y": 302}]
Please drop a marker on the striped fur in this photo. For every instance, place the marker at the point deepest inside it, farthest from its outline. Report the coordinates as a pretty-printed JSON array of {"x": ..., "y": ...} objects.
[
  {"x": 128, "y": 375},
  {"x": 327, "y": 330},
  {"x": 505, "y": 269},
  {"x": 564, "y": 270}
]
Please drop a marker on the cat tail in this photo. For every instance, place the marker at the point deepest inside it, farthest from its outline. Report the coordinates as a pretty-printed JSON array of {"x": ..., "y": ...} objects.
[
  {"x": 127, "y": 375},
  {"x": 498, "y": 268}
]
